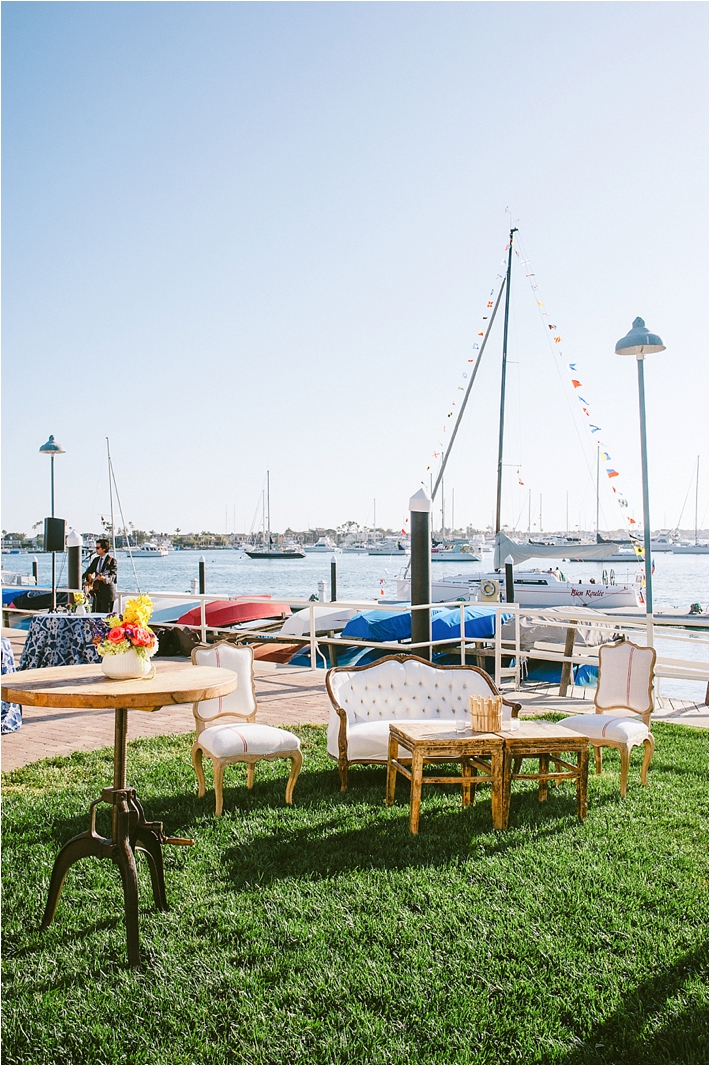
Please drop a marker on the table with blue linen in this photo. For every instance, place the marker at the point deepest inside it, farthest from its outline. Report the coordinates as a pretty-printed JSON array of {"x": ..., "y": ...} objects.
[
  {"x": 11, "y": 712},
  {"x": 61, "y": 640}
]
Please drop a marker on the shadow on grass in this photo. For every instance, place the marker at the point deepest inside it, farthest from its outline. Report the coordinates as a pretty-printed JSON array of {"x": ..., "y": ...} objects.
[
  {"x": 660, "y": 1021},
  {"x": 355, "y": 831}
]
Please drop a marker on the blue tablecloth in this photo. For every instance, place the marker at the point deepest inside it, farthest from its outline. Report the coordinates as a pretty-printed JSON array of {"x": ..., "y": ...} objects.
[
  {"x": 11, "y": 712},
  {"x": 60, "y": 640}
]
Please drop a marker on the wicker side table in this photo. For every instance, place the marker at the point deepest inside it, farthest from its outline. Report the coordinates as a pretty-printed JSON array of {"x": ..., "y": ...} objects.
[{"x": 433, "y": 742}]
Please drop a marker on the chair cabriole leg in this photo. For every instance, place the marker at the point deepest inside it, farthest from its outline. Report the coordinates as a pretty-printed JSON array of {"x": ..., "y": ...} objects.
[
  {"x": 196, "y": 756},
  {"x": 598, "y": 760},
  {"x": 648, "y": 746},
  {"x": 296, "y": 763},
  {"x": 218, "y": 779},
  {"x": 250, "y": 775},
  {"x": 625, "y": 759}
]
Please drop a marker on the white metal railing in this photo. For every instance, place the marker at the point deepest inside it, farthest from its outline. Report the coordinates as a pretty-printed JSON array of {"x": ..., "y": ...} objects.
[{"x": 633, "y": 628}]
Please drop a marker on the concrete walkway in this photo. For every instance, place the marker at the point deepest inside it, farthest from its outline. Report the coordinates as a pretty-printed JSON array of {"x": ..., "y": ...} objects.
[{"x": 286, "y": 695}]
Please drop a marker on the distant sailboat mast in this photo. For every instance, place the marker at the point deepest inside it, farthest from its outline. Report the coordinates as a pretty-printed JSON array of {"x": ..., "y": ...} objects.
[
  {"x": 697, "y": 482},
  {"x": 504, "y": 365}
]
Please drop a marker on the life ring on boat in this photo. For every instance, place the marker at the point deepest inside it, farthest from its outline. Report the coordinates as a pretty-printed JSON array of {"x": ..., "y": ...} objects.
[{"x": 489, "y": 588}]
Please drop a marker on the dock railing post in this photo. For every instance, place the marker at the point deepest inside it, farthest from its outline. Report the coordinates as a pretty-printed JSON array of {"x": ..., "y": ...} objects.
[
  {"x": 203, "y": 619},
  {"x": 419, "y": 518},
  {"x": 462, "y": 632},
  {"x": 312, "y": 632},
  {"x": 566, "y": 675}
]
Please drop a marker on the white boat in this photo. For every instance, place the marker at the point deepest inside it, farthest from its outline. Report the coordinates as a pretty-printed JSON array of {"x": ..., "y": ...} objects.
[
  {"x": 388, "y": 546},
  {"x": 664, "y": 542},
  {"x": 11, "y": 578},
  {"x": 355, "y": 549},
  {"x": 146, "y": 551},
  {"x": 454, "y": 553},
  {"x": 323, "y": 544},
  {"x": 533, "y": 588}
]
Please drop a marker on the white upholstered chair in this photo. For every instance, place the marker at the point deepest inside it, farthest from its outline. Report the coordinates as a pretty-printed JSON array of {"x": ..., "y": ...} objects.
[
  {"x": 225, "y": 727},
  {"x": 625, "y": 685},
  {"x": 365, "y": 699}
]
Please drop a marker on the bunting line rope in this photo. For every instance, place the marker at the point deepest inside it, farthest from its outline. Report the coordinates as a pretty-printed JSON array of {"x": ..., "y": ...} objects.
[
  {"x": 555, "y": 342},
  {"x": 467, "y": 378}
]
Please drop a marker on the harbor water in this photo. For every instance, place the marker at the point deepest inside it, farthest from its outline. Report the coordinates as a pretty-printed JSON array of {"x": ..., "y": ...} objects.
[{"x": 678, "y": 581}]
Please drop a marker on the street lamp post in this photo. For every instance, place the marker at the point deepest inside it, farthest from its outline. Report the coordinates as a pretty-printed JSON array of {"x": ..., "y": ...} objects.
[
  {"x": 639, "y": 342},
  {"x": 52, "y": 448}
]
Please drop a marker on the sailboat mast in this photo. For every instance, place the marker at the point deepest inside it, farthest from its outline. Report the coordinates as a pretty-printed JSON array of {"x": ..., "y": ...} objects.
[
  {"x": 268, "y": 507},
  {"x": 110, "y": 490},
  {"x": 597, "y": 494},
  {"x": 443, "y": 511},
  {"x": 697, "y": 478},
  {"x": 501, "y": 426},
  {"x": 567, "y": 512}
]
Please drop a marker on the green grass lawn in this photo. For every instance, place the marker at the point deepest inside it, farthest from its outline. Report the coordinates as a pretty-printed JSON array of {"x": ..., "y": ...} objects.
[{"x": 326, "y": 933}]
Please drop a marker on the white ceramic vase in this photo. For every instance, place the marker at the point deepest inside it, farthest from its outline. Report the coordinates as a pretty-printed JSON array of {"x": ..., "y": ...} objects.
[
  {"x": 125, "y": 665},
  {"x": 81, "y": 609}
]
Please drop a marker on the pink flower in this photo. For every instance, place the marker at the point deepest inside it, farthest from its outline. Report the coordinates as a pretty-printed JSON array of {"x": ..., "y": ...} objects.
[
  {"x": 115, "y": 635},
  {"x": 142, "y": 638}
]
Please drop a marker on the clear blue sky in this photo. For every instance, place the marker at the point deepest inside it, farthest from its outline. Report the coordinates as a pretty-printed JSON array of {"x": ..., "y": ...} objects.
[{"x": 244, "y": 236}]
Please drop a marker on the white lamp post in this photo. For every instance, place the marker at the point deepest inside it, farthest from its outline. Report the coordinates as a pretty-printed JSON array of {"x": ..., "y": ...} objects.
[
  {"x": 639, "y": 342},
  {"x": 52, "y": 448}
]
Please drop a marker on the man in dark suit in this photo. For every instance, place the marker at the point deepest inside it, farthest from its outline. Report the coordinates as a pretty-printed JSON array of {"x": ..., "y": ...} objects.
[{"x": 102, "y": 575}]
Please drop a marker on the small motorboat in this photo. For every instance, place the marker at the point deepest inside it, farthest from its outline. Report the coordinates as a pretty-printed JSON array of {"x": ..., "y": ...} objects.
[
  {"x": 146, "y": 551},
  {"x": 221, "y": 613},
  {"x": 323, "y": 544}
]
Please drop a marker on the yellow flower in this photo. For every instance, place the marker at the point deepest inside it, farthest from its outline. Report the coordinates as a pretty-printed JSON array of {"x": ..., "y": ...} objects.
[{"x": 138, "y": 610}]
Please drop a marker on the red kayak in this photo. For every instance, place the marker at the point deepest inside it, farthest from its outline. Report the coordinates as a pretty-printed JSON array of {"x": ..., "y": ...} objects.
[{"x": 228, "y": 613}]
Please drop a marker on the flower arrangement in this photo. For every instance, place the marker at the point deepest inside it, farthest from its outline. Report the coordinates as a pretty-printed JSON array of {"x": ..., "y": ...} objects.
[
  {"x": 80, "y": 600},
  {"x": 129, "y": 631}
]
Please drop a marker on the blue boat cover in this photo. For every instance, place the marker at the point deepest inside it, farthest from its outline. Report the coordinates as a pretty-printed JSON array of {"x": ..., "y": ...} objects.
[{"x": 479, "y": 622}]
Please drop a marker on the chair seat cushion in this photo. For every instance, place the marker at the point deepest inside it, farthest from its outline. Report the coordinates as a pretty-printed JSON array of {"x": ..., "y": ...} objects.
[
  {"x": 607, "y": 727},
  {"x": 225, "y": 741},
  {"x": 370, "y": 741}
]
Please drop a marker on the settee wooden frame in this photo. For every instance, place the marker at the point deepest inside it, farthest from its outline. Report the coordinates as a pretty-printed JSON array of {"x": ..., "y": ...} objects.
[{"x": 342, "y": 758}]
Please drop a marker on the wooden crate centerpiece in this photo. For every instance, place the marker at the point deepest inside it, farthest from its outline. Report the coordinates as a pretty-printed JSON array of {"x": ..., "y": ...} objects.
[{"x": 486, "y": 713}]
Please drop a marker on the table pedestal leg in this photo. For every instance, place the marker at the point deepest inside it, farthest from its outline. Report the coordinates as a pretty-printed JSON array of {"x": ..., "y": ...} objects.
[{"x": 130, "y": 832}]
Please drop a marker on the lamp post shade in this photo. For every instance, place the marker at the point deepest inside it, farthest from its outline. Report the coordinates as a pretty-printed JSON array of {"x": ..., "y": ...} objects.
[
  {"x": 638, "y": 341},
  {"x": 52, "y": 447}
]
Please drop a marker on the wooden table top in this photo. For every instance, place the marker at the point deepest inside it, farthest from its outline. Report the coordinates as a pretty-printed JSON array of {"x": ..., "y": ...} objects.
[
  {"x": 88, "y": 686},
  {"x": 428, "y": 731},
  {"x": 543, "y": 732}
]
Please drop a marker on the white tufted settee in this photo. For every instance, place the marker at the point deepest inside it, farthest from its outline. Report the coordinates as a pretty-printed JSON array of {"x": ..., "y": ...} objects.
[{"x": 365, "y": 699}]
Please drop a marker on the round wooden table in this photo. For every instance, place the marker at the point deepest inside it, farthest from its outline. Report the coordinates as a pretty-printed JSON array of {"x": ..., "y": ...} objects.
[{"x": 87, "y": 686}]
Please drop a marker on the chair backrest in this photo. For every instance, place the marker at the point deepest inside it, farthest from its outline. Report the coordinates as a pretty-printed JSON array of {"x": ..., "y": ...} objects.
[
  {"x": 241, "y": 703},
  {"x": 405, "y": 687},
  {"x": 625, "y": 678}
]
